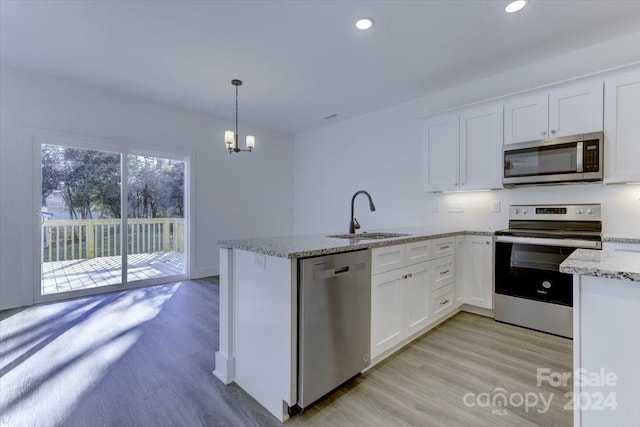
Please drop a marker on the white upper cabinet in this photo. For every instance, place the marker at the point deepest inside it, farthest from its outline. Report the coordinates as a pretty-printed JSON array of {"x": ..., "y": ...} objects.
[
  {"x": 462, "y": 150},
  {"x": 481, "y": 148},
  {"x": 622, "y": 128},
  {"x": 566, "y": 110},
  {"x": 441, "y": 151},
  {"x": 526, "y": 118},
  {"x": 575, "y": 109}
]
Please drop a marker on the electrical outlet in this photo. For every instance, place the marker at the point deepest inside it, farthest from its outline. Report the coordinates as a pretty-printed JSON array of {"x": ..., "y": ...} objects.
[
  {"x": 495, "y": 206},
  {"x": 260, "y": 261},
  {"x": 456, "y": 207}
]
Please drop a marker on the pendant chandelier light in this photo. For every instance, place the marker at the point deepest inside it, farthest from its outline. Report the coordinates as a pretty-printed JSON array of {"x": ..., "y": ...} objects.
[{"x": 231, "y": 138}]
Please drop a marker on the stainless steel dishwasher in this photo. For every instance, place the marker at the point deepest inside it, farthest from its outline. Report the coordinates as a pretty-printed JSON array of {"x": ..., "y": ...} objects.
[{"x": 334, "y": 321}]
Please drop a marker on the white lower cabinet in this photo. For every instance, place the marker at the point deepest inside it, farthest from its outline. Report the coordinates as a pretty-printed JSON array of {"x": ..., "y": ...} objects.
[
  {"x": 400, "y": 305},
  {"x": 417, "y": 297},
  {"x": 410, "y": 290},
  {"x": 387, "y": 301},
  {"x": 476, "y": 270},
  {"x": 415, "y": 285}
]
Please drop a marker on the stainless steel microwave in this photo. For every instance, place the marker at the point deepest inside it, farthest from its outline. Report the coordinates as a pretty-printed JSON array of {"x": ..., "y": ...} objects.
[{"x": 576, "y": 158}]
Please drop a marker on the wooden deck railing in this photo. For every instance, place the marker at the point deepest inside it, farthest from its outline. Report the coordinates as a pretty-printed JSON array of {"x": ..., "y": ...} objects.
[{"x": 93, "y": 238}]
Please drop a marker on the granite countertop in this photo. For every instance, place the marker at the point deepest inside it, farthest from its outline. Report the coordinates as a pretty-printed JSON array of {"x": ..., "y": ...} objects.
[
  {"x": 617, "y": 238},
  {"x": 613, "y": 265},
  {"x": 303, "y": 246}
]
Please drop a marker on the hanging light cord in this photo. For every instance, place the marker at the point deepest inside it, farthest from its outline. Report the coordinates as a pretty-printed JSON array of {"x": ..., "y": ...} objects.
[{"x": 237, "y": 142}]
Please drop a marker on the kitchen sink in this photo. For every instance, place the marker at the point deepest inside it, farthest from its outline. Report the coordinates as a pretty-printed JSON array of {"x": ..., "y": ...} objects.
[{"x": 368, "y": 236}]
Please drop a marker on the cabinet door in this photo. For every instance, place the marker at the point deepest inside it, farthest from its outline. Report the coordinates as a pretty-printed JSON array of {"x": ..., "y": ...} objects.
[
  {"x": 441, "y": 153},
  {"x": 526, "y": 118},
  {"x": 459, "y": 276},
  {"x": 575, "y": 109},
  {"x": 622, "y": 128},
  {"x": 386, "y": 311},
  {"x": 417, "y": 297},
  {"x": 478, "y": 271},
  {"x": 481, "y": 148}
]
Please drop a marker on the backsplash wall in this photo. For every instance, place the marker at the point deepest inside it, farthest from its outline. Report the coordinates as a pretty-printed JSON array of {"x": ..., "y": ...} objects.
[{"x": 620, "y": 205}]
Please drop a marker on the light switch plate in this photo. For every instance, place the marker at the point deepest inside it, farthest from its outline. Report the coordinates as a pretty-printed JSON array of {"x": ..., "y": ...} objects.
[
  {"x": 456, "y": 207},
  {"x": 495, "y": 206}
]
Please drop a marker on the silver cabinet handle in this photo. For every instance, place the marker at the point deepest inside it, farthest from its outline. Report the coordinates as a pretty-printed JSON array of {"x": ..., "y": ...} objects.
[
  {"x": 487, "y": 243},
  {"x": 553, "y": 131},
  {"x": 442, "y": 248},
  {"x": 444, "y": 302},
  {"x": 544, "y": 133},
  {"x": 444, "y": 272}
]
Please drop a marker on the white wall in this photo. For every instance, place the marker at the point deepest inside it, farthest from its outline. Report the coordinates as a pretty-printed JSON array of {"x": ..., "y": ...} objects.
[
  {"x": 381, "y": 152},
  {"x": 236, "y": 195}
]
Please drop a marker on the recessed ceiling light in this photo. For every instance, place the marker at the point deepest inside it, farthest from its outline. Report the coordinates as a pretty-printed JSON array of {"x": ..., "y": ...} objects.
[
  {"x": 515, "y": 6},
  {"x": 364, "y": 23}
]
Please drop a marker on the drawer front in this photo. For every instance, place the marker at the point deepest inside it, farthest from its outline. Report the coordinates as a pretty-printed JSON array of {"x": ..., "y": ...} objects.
[
  {"x": 443, "y": 300},
  {"x": 418, "y": 252},
  {"x": 443, "y": 247},
  {"x": 443, "y": 272},
  {"x": 387, "y": 258}
]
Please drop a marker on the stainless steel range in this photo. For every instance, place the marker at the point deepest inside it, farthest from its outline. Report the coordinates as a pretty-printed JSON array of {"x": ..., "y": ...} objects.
[{"x": 530, "y": 291}]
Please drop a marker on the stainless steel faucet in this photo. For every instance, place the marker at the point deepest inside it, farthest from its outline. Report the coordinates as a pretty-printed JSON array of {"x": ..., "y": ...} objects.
[{"x": 354, "y": 224}]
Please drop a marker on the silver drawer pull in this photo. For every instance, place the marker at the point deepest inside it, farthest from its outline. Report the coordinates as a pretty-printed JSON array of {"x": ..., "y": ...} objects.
[
  {"x": 444, "y": 302},
  {"x": 442, "y": 248},
  {"x": 444, "y": 272}
]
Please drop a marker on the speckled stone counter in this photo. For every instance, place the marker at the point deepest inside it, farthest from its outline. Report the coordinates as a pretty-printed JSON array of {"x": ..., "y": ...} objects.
[
  {"x": 303, "y": 246},
  {"x": 608, "y": 264},
  {"x": 614, "y": 238}
]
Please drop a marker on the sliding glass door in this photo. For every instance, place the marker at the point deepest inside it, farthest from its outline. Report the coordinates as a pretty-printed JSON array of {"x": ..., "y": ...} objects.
[
  {"x": 85, "y": 208},
  {"x": 155, "y": 212}
]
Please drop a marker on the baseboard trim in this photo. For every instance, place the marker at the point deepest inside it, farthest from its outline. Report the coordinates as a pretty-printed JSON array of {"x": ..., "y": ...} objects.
[
  {"x": 486, "y": 312},
  {"x": 225, "y": 368},
  {"x": 205, "y": 272}
]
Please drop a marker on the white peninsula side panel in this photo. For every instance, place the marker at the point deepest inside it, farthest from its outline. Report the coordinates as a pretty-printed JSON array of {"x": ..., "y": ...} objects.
[
  {"x": 258, "y": 322},
  {"x": 606, "y": 341}
]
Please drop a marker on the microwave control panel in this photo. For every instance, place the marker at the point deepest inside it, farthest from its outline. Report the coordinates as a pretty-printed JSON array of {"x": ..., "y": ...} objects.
[{"x": 591, "y": 156}]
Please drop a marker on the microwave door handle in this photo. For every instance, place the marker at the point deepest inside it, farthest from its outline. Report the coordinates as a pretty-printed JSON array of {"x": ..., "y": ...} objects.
[{"x": 580, "y": 154}]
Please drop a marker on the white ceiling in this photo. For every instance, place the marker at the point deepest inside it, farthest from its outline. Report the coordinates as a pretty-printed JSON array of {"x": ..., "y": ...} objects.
[{"x": 300, "y": 60}]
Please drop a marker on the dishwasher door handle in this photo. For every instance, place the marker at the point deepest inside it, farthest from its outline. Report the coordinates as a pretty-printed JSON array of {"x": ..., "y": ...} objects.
[
  {"x": 338, "y": 271},
  {"x": 341, "y": 270}
]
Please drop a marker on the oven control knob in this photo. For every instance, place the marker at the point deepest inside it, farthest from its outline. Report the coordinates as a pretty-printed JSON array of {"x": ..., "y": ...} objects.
[
  {"x": 525, "y": 211},
  {"x": 579, "y": 211},
  {"x": 516, "y": 211},
  {"x": 546, "y": 284},
  {"x": 589, "y": 211}
]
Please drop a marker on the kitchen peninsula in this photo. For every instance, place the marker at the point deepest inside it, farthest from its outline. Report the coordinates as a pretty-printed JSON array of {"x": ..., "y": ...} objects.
[
  {"x": 259, "y": 301},
  {"x": 606, "y": 313}
]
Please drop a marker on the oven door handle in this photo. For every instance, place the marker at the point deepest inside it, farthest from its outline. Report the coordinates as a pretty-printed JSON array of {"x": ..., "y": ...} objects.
[{"x": 570, "y": 243}]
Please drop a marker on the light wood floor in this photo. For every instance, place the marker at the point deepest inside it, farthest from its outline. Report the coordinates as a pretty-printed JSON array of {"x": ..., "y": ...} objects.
[
  {"x": 71, "y": 275},
  {"x": 145, "y": 357}
]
